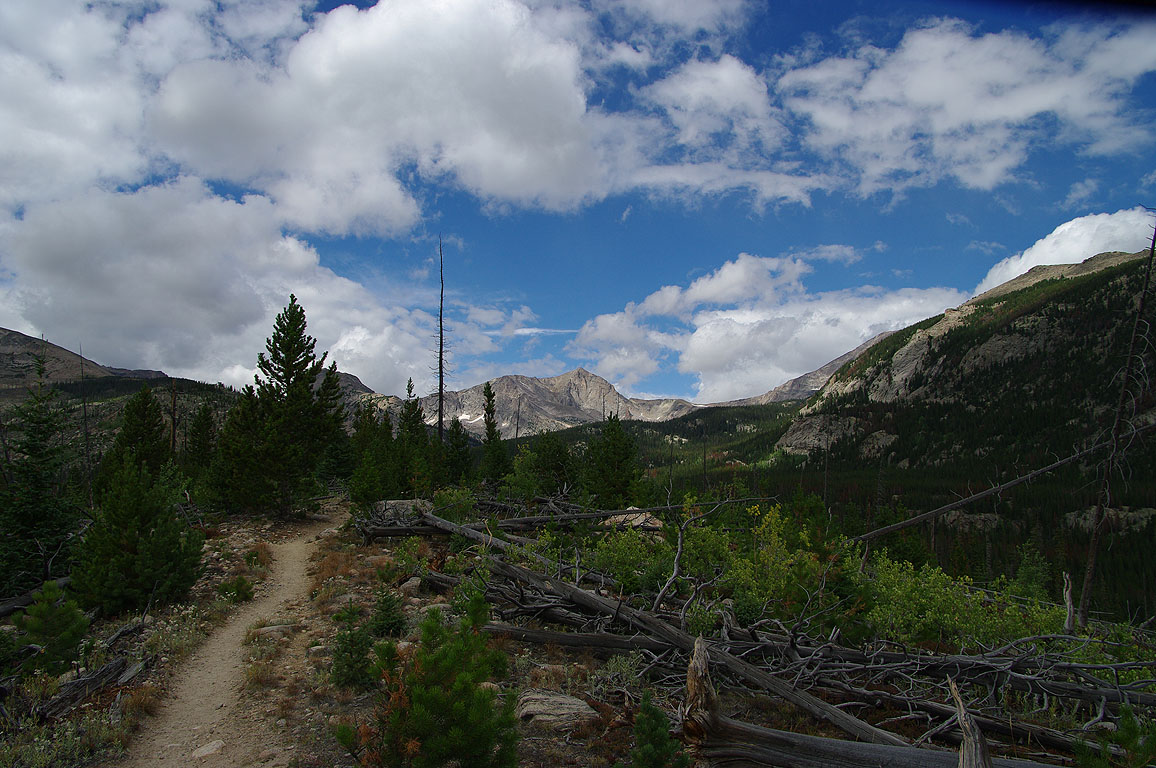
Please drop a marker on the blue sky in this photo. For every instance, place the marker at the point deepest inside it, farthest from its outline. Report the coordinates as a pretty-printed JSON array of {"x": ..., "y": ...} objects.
[{"x": 689, "y": 198}]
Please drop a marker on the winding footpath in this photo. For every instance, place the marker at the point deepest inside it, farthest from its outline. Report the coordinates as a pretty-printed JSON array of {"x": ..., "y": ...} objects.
[{"x": 203, "y": 722}]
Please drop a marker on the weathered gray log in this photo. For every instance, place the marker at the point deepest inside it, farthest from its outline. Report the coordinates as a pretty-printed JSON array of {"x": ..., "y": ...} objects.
[
  {"x": 1048, "y": 738},
  {"x": 1020, "y": 673},
  {"x": 558, "y": 615},
  {"x": 125, "y": 631},
  {"x": 74, "y": 692},
  {"x": 586, "y": 640},
  {"x": 719, "y": 740},
  {"x": 1020, "y": 731}
]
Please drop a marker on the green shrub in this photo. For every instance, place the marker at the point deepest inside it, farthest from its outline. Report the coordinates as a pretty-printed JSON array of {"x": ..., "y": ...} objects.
[
  {"x": 387, "y": 619},
  {"x": 138, "y": 551},
  {"x": 87, "y": 739},
  {"x": 56, "y": 625},
  {"x": 454, "y": 504},
  {"x": 351, "y": 665},
  {"x": 775, "y": 574},
  {"x": 238, "y": 590},
  {"x": 636, "y": 560},
  {"x": 914, "y": 605},
  {"x": 433, "y": 710},
  {"x": 1032, "y": 576},
  {"x": 653, "y": 746},
  {"x": 410, "y": 556}
]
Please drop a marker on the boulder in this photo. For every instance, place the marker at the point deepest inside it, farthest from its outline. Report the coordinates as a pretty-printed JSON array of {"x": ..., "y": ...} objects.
[{"x": 553, "y": 710}]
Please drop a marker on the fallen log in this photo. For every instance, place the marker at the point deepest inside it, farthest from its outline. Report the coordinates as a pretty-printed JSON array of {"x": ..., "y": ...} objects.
[
  {"x": 1020, "y": 673},
  {"x": 74, "y": 692},
  {"x": 716, "y": 739},
  {"x": 585, "y": 640},
  {"x": 1020, "y": 731},
  {"x": 660, "y": 629}
]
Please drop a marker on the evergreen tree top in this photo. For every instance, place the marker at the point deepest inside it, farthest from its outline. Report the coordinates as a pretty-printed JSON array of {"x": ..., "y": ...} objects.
[{"x": 291, "y": 361}]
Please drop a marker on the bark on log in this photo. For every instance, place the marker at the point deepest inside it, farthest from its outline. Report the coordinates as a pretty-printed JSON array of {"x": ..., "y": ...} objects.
[
  {"x": 74, "y": 692},
  {"x": 584, "y": 640}
]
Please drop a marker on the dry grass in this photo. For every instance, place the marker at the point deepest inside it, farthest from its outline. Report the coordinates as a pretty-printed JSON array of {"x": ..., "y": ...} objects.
[
  {"x": 261, "y": 674},
  {"x": 334, "y": 565},
  {"x": 143, "y": 700},
  {"x": 261, "y": 554}
]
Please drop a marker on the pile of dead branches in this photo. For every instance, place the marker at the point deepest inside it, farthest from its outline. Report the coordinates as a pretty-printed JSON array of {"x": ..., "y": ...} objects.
[{"x": 899, "y": 690}]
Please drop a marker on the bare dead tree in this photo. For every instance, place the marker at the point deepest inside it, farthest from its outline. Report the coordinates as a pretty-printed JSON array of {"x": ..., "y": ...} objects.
[
  {"x": 676, "y": 573},
  {"x": 1115, "y": 448},
  {"x": 441, "y": 343}
]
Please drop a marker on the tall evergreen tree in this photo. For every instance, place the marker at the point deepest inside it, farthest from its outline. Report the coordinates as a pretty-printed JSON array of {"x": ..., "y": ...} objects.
[
  {"x": 458, "y": 463},
  {"x": 37, "y": 516},
  {"x": 375, "y": 476},
  {"x": 413, "y": 443},
  {"x": 612, "y": 465},
  {"x": 300, "y": 404},
  {"x": 237, "y": 476},
  {"x": 202, "y": 442},
  {"x": 142, "y": 433},
  {"x": 495, "y": 461},
  {"x": 552, "y": 464}
]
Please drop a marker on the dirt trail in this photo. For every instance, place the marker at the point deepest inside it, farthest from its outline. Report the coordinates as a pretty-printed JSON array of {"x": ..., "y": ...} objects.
[{"x": 204, "y": 711}]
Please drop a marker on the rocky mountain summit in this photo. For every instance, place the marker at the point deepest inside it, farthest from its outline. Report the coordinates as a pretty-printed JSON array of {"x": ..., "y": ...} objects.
[{"x": 526, "y": 405}]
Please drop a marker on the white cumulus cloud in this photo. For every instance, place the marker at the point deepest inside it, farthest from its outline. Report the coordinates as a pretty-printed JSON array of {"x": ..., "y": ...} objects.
[
  {"x": 747, "y": 327},
  {"x": 1077, "y": 240},
  {"x": 948, "y": 103}
]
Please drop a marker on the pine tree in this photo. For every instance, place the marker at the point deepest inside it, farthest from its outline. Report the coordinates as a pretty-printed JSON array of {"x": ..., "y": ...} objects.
[
  {"x": 495, "y": 461},
  {"x": 553, "y": 464},
  {"x": 458, "y": 463},
  {"x": 56, "y": 625},
  {"x": 237, "y": 476},
  {"x": 434, "y": 710},
  {"x": 612, "y": 465},
  {"x": 36, "y": 514},
  {"x": 653, "y": 746},
  {"x": 202, "y": 443},
  {"x": 137, "y": 551},
  {"x": 413, "y": 443},
  {"x": 375, "y": 476},
  {"x": 284, "y": 434},
  {"x": 142, "y": 432}
]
